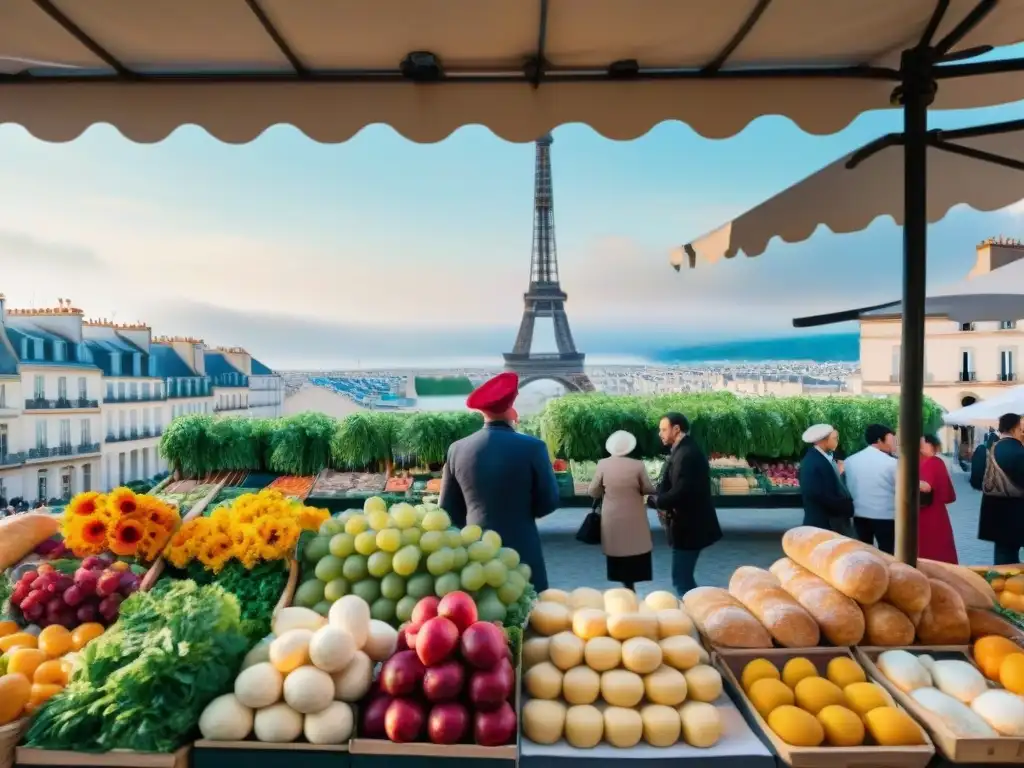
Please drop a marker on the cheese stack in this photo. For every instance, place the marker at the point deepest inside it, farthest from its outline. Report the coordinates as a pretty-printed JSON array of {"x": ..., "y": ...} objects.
[
  {"x": 841, "y": 709},
  {"x": 610, "y": 667}
]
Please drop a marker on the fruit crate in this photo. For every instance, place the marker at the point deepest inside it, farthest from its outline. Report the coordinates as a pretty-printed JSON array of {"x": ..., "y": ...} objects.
[
  {"x": 731, "y": 661},
  {"x": 257, "y": 754},
  {"x": 956, "y": 749},
  {"x": 115, "y": 759}
]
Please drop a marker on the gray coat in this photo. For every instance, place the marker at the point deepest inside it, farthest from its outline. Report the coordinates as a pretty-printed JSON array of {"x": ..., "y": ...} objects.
[{"x": 502, "y": 481}]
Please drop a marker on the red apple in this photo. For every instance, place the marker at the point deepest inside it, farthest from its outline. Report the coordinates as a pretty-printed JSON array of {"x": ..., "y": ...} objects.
[
  {"x": 402, "y": 674},
  {"x": 490, "y": 688},
  {"x": 495, "y": 729},
  {"x": 403, "y": 720},
  {"x": 484, "y": 645},
  {"x": 459, "y": 608},
  {"x": 447, "y": 723},
  {"x": 444, "y": 681},
  {"x": 436, "y": 641},
  {"x": 373, "y": 717},
  {"x": 425, "y": 609}
]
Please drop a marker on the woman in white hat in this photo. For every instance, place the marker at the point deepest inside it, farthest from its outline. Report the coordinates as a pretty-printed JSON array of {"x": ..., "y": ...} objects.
[{"x": 623, "y": 485}]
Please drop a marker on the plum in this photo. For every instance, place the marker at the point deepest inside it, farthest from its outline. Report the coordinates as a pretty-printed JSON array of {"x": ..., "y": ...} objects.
[
  {"x": 86, "y": 613},
  {"x": 108, "y": 583}
]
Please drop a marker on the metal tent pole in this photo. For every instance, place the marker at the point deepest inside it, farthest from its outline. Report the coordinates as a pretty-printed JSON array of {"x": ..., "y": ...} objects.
[{"x": 916, "y": 93}]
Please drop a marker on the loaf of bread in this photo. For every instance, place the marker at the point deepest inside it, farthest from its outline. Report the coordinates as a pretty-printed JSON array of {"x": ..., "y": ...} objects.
[
  {"x": 762, "y": 595},
  {"x": 984, "y": 623},
  {"x": 723, "y": 620},
  {"x": 972, "y": 587},
  {"x": 886, "y": 625},
  {"x": 908, "y": 588},
  {"x": 944, "y": 621},
  {"x": 839, "y": 617},
  {"x": 846, "y": 564}
]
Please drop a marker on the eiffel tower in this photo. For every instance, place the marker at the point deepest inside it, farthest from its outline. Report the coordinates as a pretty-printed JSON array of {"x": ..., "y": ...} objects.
[{"x": 545, "y": 297}]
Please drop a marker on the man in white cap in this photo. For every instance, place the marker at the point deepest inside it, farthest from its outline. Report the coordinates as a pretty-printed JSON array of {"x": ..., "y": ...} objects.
[{"x": 827, "y": 502}]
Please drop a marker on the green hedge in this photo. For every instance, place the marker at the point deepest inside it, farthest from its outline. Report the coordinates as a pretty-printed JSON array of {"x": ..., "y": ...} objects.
[{"x": 574, "y": 427}]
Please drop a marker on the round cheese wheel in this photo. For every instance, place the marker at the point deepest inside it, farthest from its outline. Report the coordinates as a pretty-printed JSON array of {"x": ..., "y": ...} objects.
[
  {"x": 581, "y": 685},
  {"x": 586, "y": 597},
  {"x": 641, "y": 655},
  {"x": 535, "y": 650},
  {"x": 602, "y": 653},
  {"x": 662, "y": 725},
  {"x": 559, "y": 596},
  {"x": 544, "y": 681},
  {"x": 681, "y": 652},
  {"x": 702, "y": 725},
  {"x": 623, "y": 626},
  {"x": 584, "y": 726},
  {"x": 665, "y": 685},
  {"x": 623, "y": 727},
  {"x": 622, "y": 688},
  {"x": 662, "y": 600},
  {"x": 543, "y": 721},
  {"x": 549, "y": 618},
  {"x": 703, "y": 683},
  {"x": 566, "y": 650},
  {"x": 620, "y": 600},
  {"x": 589, "y": 623},
  {"x": 673, "y": 622}
]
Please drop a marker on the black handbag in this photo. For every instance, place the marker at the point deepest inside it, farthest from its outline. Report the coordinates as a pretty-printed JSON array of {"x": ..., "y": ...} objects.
[{"x": 590, "y": 529}]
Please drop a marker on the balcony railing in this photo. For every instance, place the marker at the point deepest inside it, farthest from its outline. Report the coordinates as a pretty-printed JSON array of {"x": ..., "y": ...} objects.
[
  {"x": 43, "y": 404},
  {"x": 45, "y": 453},
  {"x": 134, "y": 434},
  {"x": 88, "y": 448},
  {"x": 137, "y": 398},
  {"x": 1007, "y": 376},
  {"x": 968, "y": 376},
  {"x": 11, "y": 459},
  {"x": 227, "y": 408}
]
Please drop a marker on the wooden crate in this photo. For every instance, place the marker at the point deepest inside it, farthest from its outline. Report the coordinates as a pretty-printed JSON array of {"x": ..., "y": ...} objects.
[
  {"x": 256, "y": 754},
  {"x": 730, "y": 663},
  {"x": 117, "y": 758},
  {"x": 956, "y": 749}
]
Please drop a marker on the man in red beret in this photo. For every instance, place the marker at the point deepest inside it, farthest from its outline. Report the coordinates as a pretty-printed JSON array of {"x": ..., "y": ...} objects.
[{"x": 500, "y": 479}]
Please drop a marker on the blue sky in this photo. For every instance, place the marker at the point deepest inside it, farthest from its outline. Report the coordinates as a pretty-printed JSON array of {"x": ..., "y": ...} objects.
[{"x": 380, "y": 248}]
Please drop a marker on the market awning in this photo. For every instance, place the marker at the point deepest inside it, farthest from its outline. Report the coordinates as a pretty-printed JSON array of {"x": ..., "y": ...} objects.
[
  {"x": 996, "y": 295},
  {"x": 428, "y": 67},
  {"x": 847, "y": 195},
  {"x": 987, "y": 412}
]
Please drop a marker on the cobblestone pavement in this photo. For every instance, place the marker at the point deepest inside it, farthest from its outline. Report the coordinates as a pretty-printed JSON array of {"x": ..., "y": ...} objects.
[{"x": 752, "y": 537}]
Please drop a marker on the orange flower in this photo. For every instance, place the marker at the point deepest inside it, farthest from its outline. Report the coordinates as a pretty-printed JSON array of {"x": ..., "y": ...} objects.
[
  {"x": 84, "y": 504},
  {"x": 126, "y": 537},
  {"x": 94, "y": 531},
  {"x": 122, "y": 503}
]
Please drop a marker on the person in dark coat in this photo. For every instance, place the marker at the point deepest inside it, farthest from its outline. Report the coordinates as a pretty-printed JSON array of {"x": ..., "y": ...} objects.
[
  {"x": 978, "y": 460},
  {"x": 827, "y": 502},
  {"x": 684, "y": 502},
  {"x": 1002, "y": 502},
  {"x": 500, "y": 479}
]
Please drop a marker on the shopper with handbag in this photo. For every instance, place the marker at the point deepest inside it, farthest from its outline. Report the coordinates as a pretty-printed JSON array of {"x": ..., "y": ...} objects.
[{"x": 622, "y": 485}]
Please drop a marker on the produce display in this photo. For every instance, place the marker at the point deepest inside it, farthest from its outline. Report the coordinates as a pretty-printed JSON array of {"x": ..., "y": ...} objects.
[
  {"x": 143, "y": 684},
  {"x": 394, "y": 558},
  {"x": 45, "y": 597},
  {"x": 839, "y": 708},
  {"x": 120, "y": 522},
  {"x": 779, "y": 475},
  {"x": 334, "y": 484},
  {"x": 297, "y": 487},
  {"x": 33, "y": 668},
  {"x": 983, "y": 701},
  {"x": 611, "y": 668},
  {"x": 449, "y": 680},
  {"x": 1008, "y": 586},
  {"x": 301, "y": 682},
  {"x": 184, "y": 500}
]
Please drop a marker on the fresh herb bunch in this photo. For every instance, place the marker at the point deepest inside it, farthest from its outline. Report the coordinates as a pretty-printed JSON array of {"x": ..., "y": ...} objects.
[
  {"x": 258, "y": 591},
  {"x": 520, "y": 609},
  {"x": 143, "y": 685},
  {"x": 6, "y": 588}
]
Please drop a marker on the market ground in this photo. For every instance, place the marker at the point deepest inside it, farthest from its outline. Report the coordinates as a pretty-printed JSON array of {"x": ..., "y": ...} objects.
[{"x": 752, "y": 537}]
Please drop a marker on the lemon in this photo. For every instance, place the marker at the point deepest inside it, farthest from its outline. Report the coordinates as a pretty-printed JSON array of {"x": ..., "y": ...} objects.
[
  {"x": 403, "y": 515},
  {"x": 366, "y": 543},
  {"x": 406, "y": 561},
  {"x": 389, "y": 540},
  {"x": 378, "y": 519}
]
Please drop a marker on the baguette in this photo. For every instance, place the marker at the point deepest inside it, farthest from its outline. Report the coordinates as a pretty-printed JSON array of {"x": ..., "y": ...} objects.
[
  {"x": 761, "y": 594},
  {"x": 972, "y": 588},
  {"x": 988, "y": 623},
  {"x": 846, "y": 564},
  {"x": 840, "y": 618},
  {"x": 723, "y": 620},
  {"x": 908, "y": 589},
  {"x": 887, "y": 626},
  {"x": 944, "y": 621}
]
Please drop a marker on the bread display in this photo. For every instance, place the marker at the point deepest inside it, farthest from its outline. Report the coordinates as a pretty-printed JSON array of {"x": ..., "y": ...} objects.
[
  {"x": 723, "y": 620},
  {"x": 761, "y": 593},
  {"x": 908, "y": 589},
  {"x": 944, "y": 621},
  {"x": 887, "y": 626},
  {"x": 840, "y": 619},
  {"x": 974, "y": 591},
  {"x": 846, "y": 564}
]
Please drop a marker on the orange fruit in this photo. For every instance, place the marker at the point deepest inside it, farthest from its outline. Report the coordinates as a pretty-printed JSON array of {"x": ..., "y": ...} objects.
[
  {"x": 55, "y": 641},
  {"x": 1011, "y": 673},
  {"x": 1009, "y": 600},
  {"x": 7, "y": 628},
  {"x": 84, "y": 634},
  {"x": 14, "y": 693},
  {"x": 41, "y": 692},
  {"x": 998, "y": 584},
  {"x": 989, "y": 653},
  {"x": 25, "y": 661},
  {"x": 1015, "y": 584},
  {"x": 52, "y": 672},
  {"x": 17, "y": 638},
  {"x": 119, "y": 567}
]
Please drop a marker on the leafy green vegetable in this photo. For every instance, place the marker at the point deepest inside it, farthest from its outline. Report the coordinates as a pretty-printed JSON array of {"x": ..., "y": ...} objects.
[
  {"x": 6, "y": 588},
  {"x": 257, "y": 590},
  {"x": 520, "y": 609},
  {"x": 144, "y": 683}
]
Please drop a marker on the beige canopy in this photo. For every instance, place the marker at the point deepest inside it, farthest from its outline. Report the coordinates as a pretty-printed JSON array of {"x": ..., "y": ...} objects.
[
  {"x": 332, "y": 67},
  {"x": 847, "y": 199}
]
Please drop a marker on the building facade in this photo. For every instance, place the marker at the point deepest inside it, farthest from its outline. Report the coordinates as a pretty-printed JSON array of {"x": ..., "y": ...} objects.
[{"x": 83, "y": 403}]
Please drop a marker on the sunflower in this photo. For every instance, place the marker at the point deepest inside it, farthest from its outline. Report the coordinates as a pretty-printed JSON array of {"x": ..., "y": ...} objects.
[
  {"x": 215, "y": 552},
  {"x": 122, "y": 503},
  {"x": 152, "y": 544},
  {"x": 311, "y": 518},
  {"x": 126, "y": 536},
  {"x": 221, "y": 519},
  {"x": 85, "y": 504},
  {"x": 86, "y": 535},
  {"x": 246, "y": 547},
  {"x": 180, "y": 550},
  {"x": 271, "y": 534}
]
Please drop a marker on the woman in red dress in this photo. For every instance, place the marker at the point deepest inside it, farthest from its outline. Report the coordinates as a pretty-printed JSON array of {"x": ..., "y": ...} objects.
[{"x": 935, "y": 534}]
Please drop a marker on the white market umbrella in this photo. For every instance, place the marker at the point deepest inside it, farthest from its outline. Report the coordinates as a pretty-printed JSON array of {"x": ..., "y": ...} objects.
[
  {"x": 519, "y": 67},
  {"x": 987, "y": 412}
]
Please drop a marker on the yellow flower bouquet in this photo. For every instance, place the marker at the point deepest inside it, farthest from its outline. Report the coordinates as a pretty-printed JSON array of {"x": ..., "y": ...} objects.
[
  {"x": 121, "y": 522},
  {"x": 254, "y": 528}
]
